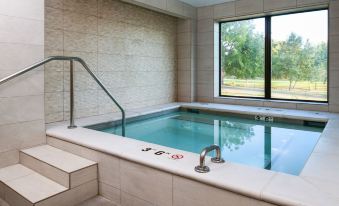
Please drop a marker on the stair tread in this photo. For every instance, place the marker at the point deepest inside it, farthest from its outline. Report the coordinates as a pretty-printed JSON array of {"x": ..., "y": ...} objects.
[
  {"x": 29, "y": 184},
  {"x": 14, "y": 172},
  {"x": 58, "y": 158}
]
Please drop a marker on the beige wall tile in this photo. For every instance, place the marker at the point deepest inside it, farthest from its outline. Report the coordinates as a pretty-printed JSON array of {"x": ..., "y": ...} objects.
[
  {"x": 189, "y": 192},
  {"x": 190, "y": 11},
  {"x": 333, "y": 107},
  {"x": 276, "y": 104},
  {"x": 109, "y": 167},
  {"x": 224, "y": 10},
  {"x": 55, "y": 81},
  {"x": 74, "y": 41},
  {"x": 205, "y": 25},
  {"x": 205, "y": 63},
  {"x": 20, "y": 30},
  {"x": 205, "y": 77},
  {"x": 333, "y": 79},
  {"x": 310, "y": 2},
  {"x": 54, "y": 4},
  {"x": 8, "y": 158},
  {"x": 334, "y": 61},
  {"x": 28, "y": 55},
  {"x": 109, "y": 192},
  {"x": 243, "y": 7},
  {"x": 84, "y": 175},
  {"x": 89, "y": 7},
  {"x": 334, "y": 95},
  {"x": 184, "y": 38},
  {"x": 130, "y": 200},
  {"x": 54, "y": 39},
  {"x": 30, "y": 84},
  {"x": 205, "y": 51},
  {"x": 22, "y": 135},
  {"x": 314, "y": 107},
  {"x": 33, "y": 9},
  {"x": 270, "y": 5},
  {"x": 145, "y": 183},
  {"x": 21, "y": 109},
  {"x": 184, "y": 26},
  {"x": 205, "y": 12},
  {"x": 80, "y": 22},
  {"x": 334, "y": 6},
  {"x": 53, "y": 18},
  {"x": 205, "y": 38},
  {"x": 334, "y": 26},
  {"x": 184, "y": 89},
  {"x": 54, "y": 102},
  {"x": 334, "y": 44},
  {"x": 111, "y": 9},
  {"x": 176, "y": 7}
]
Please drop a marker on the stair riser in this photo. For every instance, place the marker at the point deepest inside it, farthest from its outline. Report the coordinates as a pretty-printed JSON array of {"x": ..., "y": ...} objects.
[
  {"x": 73, "y": 196},
  {"x": 13, "y": 198},
  {"x": 46, "y": 170},
  {"x": 68, "y": 198},
  {"x": 84, "y": 175},
  {"x": 69, "y": 180}
]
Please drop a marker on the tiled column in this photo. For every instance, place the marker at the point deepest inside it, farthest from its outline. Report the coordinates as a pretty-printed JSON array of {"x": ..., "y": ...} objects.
[
  {"x": 186, "y": 44},
  {"x": 205, "y": 54},
  {"x": 334, "y": 56},
  {"x": 22, "y": 99}
]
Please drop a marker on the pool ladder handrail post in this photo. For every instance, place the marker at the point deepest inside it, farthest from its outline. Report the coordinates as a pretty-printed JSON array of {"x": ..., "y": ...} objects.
[
  {"x": 202, "y": 168},
  {"x": 83, "y": 63}
]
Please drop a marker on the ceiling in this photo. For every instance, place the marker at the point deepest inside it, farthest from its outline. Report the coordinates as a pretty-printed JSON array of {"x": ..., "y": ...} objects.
[{"x": 199, "y": 3}]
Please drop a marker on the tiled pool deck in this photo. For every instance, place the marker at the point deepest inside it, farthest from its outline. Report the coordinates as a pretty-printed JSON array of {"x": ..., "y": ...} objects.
[{"x": 318, "y": 183}]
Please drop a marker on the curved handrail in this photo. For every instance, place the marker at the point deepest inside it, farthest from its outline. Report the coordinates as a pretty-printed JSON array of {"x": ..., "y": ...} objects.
[{"x": 83, "y": 63}]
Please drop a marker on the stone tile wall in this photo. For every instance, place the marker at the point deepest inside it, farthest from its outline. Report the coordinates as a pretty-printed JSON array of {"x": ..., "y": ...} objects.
[
  {"x": 22, "y": 99},
  {"x": 131, "y": 49}
]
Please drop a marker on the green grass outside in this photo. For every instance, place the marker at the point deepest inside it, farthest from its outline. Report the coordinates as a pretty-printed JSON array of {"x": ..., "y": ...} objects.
[{"x": 277, "y": 84}]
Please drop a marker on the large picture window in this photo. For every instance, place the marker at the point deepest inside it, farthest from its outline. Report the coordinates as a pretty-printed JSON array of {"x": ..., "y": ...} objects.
[{"x": 276, "y": 57}]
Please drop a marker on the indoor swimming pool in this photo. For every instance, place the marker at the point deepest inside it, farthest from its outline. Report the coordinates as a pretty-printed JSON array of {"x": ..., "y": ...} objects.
[{"x": 276, "y": 145}]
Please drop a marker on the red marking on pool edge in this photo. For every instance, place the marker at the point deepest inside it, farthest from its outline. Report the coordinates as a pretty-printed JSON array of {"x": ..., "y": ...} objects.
[{"x": 177, "y": 156}]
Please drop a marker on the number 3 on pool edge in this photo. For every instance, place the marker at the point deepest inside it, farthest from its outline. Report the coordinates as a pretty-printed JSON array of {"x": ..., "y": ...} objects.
[{"x": 146, "y": 150}]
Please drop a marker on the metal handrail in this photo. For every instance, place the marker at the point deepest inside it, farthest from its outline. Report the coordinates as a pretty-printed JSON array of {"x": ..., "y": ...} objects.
[
  {"x": 202, "y": 168},
  {"x": 83, "y": 63}
]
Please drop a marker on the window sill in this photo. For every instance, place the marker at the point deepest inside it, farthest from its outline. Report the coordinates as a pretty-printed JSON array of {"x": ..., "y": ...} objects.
[{"x": 301, "y": 105}]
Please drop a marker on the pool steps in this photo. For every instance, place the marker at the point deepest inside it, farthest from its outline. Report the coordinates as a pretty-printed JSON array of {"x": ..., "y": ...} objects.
[{"x": 49, "y": 176}]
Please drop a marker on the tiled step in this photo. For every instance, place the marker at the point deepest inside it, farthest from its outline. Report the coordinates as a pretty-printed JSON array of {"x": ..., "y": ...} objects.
[
  {"x": 62, "y": 167},
  {"x": 97, "y": 201},
  {"x": 23, "y": 186}
]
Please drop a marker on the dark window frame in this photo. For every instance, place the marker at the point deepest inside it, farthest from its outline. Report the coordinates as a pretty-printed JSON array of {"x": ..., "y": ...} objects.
[{"x": 268, "y": 58}]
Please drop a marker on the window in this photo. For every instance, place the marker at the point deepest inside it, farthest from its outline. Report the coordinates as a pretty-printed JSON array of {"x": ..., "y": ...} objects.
[{"x": 281, "y": 57}]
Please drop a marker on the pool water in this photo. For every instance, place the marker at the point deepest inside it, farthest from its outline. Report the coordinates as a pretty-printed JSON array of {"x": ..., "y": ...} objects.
[{"x": 282, "y": 147}]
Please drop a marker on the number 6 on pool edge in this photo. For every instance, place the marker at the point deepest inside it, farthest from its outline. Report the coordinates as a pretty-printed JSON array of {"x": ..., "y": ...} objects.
[{"x": 159, "y": 153}]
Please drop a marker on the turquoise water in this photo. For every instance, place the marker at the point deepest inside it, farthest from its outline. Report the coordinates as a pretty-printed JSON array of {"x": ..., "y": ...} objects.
[{"x": 274, "y": 146}]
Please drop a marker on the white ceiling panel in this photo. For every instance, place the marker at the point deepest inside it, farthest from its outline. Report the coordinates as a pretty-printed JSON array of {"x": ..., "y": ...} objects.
[{"x": 199, "y": 3}]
